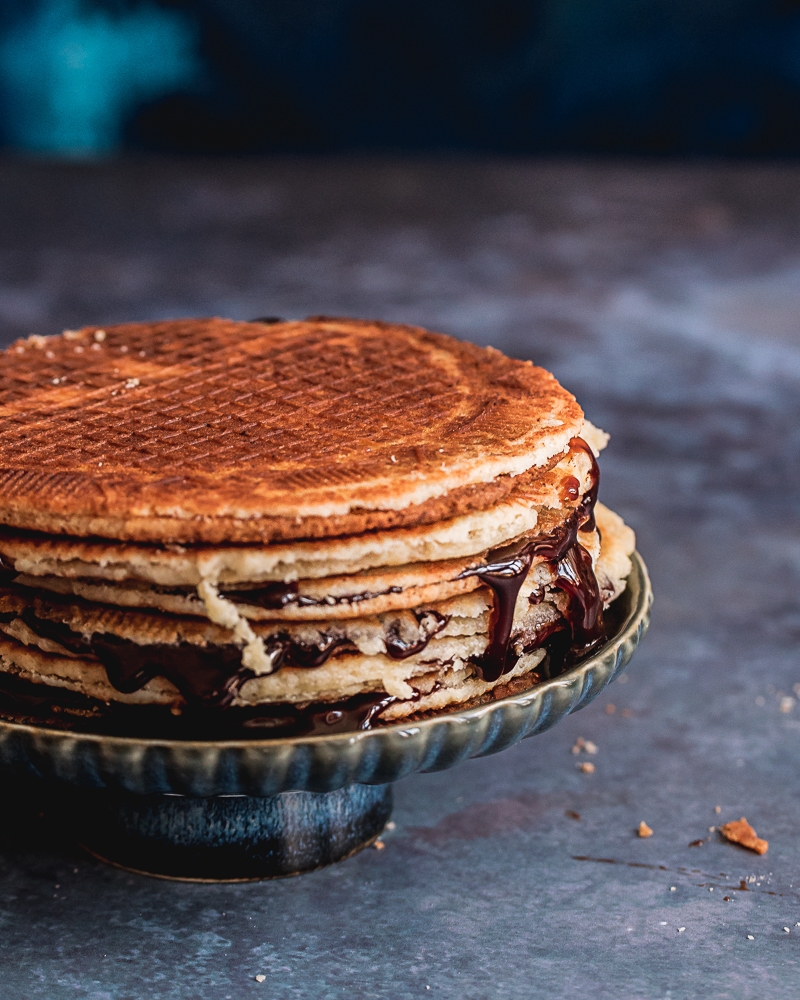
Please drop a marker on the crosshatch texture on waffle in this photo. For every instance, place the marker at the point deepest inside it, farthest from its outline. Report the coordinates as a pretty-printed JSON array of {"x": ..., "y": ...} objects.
[{"x": 197, "y": 430}]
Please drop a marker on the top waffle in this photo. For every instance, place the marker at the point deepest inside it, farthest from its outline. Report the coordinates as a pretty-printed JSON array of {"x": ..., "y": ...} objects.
[{"x": 210, "y": 430}]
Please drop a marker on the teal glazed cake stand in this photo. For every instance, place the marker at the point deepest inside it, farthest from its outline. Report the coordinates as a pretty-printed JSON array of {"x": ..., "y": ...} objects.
[{"x": 226, "y": 810}]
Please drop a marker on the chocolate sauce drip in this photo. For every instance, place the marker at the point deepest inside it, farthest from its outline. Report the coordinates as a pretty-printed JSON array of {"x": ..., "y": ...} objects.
[
  {"x": 399, "y": 649},
  {"x": 274, "y": 596},
  {"x": 277, "y": 595},
  {"x": 297, "y": 654},
  {"x": 204, "y": 675},
  {"x": 504, "y": 574},
  {"x": 211, "y": 676},
  {"x": 575, "y": 576},
  {"x": 507, "y": 568},
  {"x": 504, "y": 577},
  {"x": 23, "y": 701},
  {"x": 589, "y": 500}
]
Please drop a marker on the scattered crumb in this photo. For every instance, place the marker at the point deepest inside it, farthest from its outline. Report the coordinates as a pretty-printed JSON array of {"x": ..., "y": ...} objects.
[
  {"x": 740, "y": 832},
  {"x": 572, "y": 814},
  {"x": 260, "y": 979},
  {"x": 131, "y": 383},
  {"x": 786, "y": 703},
  {"x": 391, "y": 825},
  {"x": 726, "y": 899},
  {"x": 750, "y": 937},
  {"x": 672, "y": 888},
  {"x": 786, "y": 930},
  {"x": 697, "y": 843},
  {"x": 379, "y": 845},
  {"x": 681, "y": 930},
  {"x": 590, "y": 747},
  {"x": 711, "y": 888},
  {"x": 586, "y": 767},
  {"x": 626, "y": 713},
  {"x": 711, "y": 829},
  {"x": 584, "y": 745},
  {"x": 663, "y": 923},
  {"x": 644, "y": 830},
  {"x": 610, "y": 709},
  {"x": 717, "y": 809}
]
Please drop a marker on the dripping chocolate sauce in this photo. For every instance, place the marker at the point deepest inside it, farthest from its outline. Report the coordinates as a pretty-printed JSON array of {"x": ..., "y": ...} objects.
[
  {"x": 209, "y": 678},
  {"x": 28, "y": 703},
  {"x": 508, "y": 566},
  {"x": 589, "y": 500}
]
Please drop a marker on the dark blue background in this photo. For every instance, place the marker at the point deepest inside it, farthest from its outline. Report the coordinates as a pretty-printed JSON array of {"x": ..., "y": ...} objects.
[{"x": 519, "y": 76}]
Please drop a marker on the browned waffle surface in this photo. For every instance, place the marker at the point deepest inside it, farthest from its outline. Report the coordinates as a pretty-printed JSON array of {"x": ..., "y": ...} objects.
[{"x": 213, "y": 430}]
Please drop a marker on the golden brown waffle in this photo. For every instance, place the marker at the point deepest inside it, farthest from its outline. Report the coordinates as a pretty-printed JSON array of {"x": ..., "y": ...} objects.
[{"x": 210, "y": 430}]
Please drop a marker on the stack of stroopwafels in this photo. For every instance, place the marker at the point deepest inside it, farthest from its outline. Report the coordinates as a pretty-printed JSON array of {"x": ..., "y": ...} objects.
[{"x": 211, "y": 526}]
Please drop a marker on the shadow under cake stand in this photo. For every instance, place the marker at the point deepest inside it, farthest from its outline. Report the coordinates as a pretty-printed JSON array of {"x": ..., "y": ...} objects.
[{"x": 227, "y": 810}]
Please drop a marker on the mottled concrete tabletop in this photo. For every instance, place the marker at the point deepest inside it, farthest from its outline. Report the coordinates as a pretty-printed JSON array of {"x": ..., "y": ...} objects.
[{"x": 667, "y": 297}]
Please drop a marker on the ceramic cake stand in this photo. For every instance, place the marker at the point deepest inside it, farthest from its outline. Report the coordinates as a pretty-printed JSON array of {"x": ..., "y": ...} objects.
[{"x": 250, "y": 809}]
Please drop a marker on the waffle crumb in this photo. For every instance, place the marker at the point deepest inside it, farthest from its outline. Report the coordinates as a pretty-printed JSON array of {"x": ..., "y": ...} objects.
[
  {"x": 587, "y": 767},
  {"x": 644, "y": 830},
  {"x": 379, "y": 845},
  {"x": 739, "y": 831},
  {"x": 260, "y": 979}
]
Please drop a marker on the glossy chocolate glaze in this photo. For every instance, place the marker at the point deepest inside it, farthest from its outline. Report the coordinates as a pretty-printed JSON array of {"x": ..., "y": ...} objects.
[
  {"x": 278, "y": 595},
  {"x": 399, "y": 649},
  {"x": 590, "y": 496},
  {"x": 24, "y": 702},
  {"x": 507, "y": 568},
  {"x": 205, "y": 675}
]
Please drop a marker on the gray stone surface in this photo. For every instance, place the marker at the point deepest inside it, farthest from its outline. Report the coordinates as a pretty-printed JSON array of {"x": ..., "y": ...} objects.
[{"x": 668, "y": 299}]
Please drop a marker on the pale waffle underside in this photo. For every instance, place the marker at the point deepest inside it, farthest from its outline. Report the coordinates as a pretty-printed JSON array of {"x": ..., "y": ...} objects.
[{"x": 216, "y": 431}]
